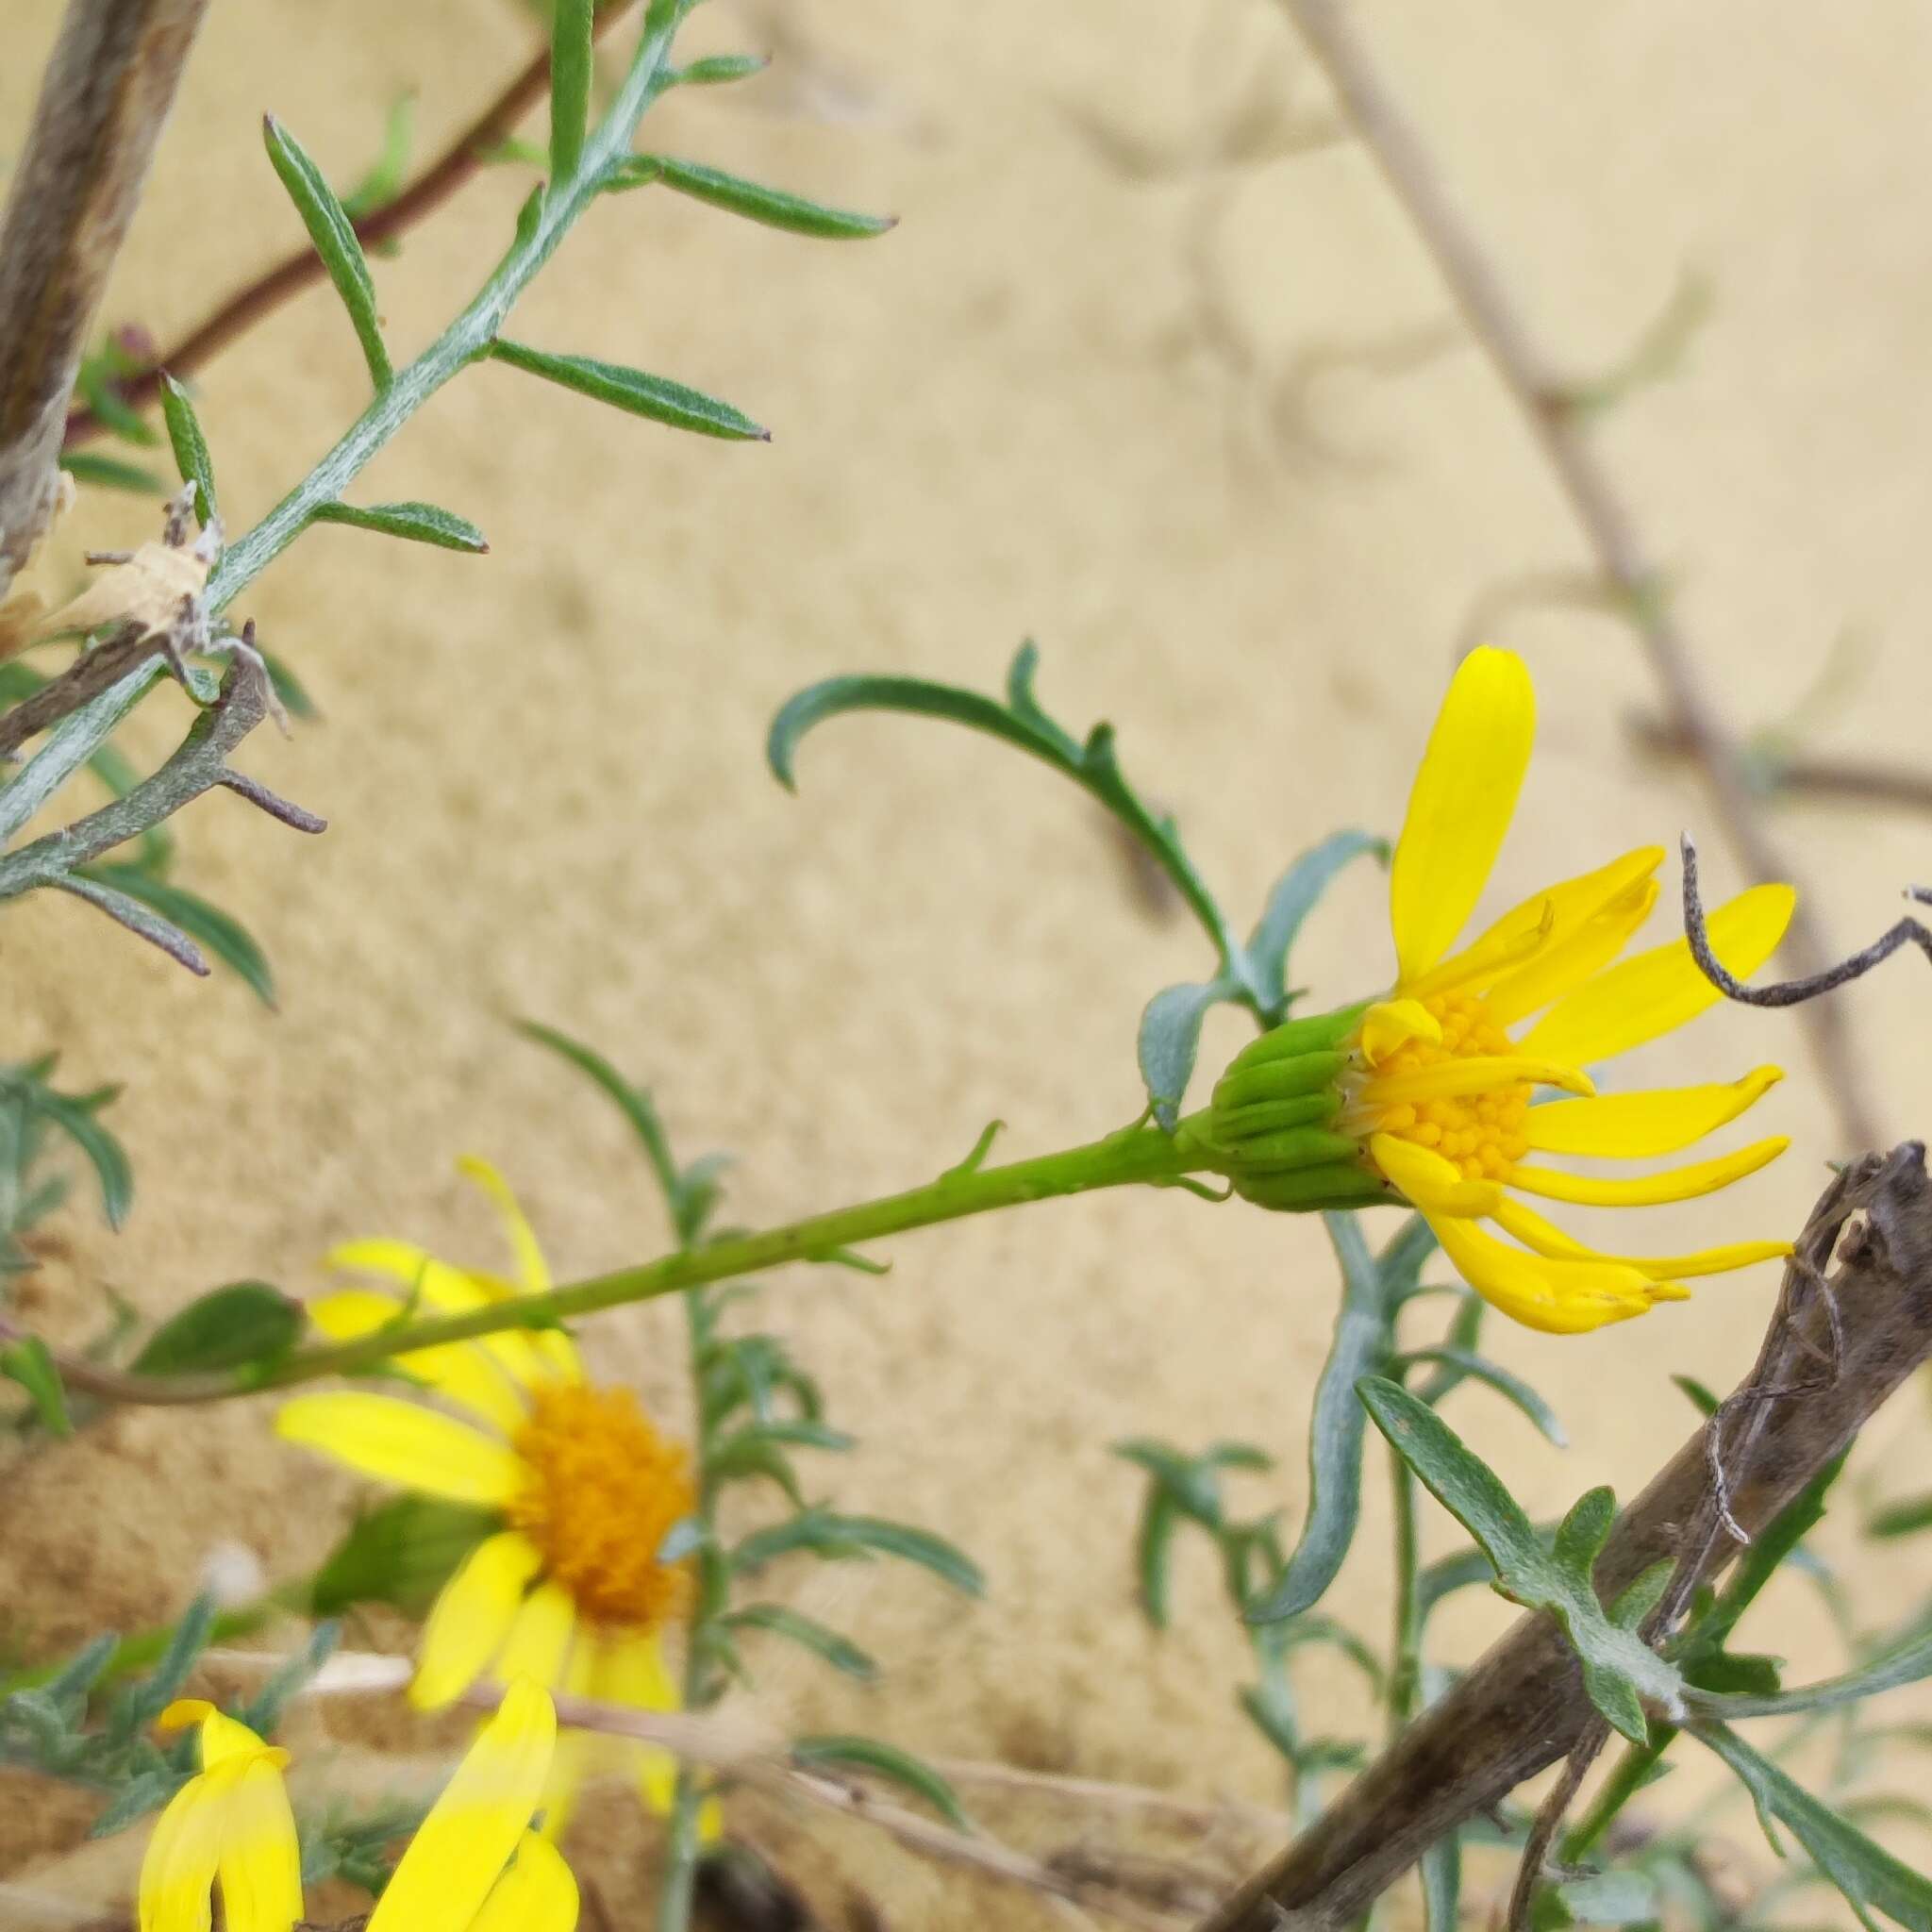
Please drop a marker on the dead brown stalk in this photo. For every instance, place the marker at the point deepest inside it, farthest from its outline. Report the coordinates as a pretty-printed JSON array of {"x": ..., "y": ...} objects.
[{"x": 102, "y": 100}]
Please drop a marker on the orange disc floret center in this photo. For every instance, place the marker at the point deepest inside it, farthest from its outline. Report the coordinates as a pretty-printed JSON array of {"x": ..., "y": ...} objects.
[
  {"x": 1482, "y": 1133},
  {"x": 604, "y": 1489}
]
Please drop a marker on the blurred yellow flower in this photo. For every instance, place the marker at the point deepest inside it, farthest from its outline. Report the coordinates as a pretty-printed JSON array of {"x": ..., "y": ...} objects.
[
  {"x": 232, "y": 1823},
  {"x": 569, "y": 1591},
  {"x": 1433, "y": 1085}
]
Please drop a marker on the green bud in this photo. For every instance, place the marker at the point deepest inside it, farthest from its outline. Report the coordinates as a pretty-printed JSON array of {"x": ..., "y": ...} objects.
[{"x": 1271, "y": 1126}]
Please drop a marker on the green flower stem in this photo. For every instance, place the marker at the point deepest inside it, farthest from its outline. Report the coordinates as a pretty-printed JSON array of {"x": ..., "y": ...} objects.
[
  {"x": 1405, "y": 1655},
  {"x": 1138, "y": 1154},
  {"x": 469, "y": 337},
  {"x": 1625, "y": 1780}
]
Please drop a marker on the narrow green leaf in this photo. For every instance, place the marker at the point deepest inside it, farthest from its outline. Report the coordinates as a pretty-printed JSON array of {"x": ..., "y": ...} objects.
[
  {"x": 809, "y": 1634},
  {"x": 827, "y": 1533},
  {"x": 569, "y": 85},
  {"x": 1336, "y": 1429},
  {"x": 1901, "y": 1519},
  {"x": 334, "y": 236},
  {"x": 1168, "y": 1040},
  {"x": 1905, "y": 1663},
  {"x": 289, "y": 687},
  {"x": 190, "y": 446},
  {"x": 1154, "y": 1553},
  {"x": 223, "y": 935},
  {"x": 1294, "y": 898},
  {"x": 1865, "y": 1873},
  {"x": 109, "y": 472},
  {"x": 245, "y": 1323},
  {"x": 632, "y": 1102},
  {"x": 1512, "y": 1388},
  {"x": 844, "y": 1751},
  {"x": 654, "y": 396},
  {"x": 718, "y": 70},
  {"x": 915, "y": 696},
  {"x": 1702, "y": 1396},
  {"x": 383, "y": 181},
  {"x": 749, "y": 1455},
  {"x": 146, "y": 1701},
  {"x": 771, "y": 207},
  {"x": 74, "y": 1115},
  {"x": 98, "y": 383},
  {"x": 1606, "y": 1898},
  {"x": 146, "y": 1791},
  {"x": 28, "y": 1362},
  {"x": 419, "y": 523}
]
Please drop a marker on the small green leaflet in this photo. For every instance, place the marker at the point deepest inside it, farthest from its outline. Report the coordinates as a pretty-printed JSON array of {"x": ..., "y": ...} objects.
[
  {"x": 769, "y": 207},
  {"x": 883, "y": 1760},
  {"x": 190, "y": 445},
  {"x": 653, "y": 396},
  {"x": 243, "y": 1324},
  {"x": 28, "y": 1362},
  {"x": 420, "y": 523},
  {"x": 569, "y": 85},
  {"x": 334, "y": 236}
]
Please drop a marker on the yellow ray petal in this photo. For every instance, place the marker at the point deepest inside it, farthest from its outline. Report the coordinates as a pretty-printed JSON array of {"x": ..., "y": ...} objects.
[
  {"x": 1428, "y": 1182},
  {"x": 538, "y": 1640},
  {"x": 402, "y": 1442},
  {"x": 447, "y": 1288},
  {"x": 453, "y": 1862},
  {"x": 631, "y": 1670},
  {"x": 179, "y": 1871},
  {"x": 1389, "y": 1025},
  {"x": 1533, "y": 1231},
  {"x": 1448, "y": 1078},
  {"x": 470, "y": 1618},
  {"x": 1576, "y": 957},
  {"x": 1649, "y": 1190},
  {"x": 1637, "y": 1127},
  {"x": 1494, "y": 954},
  {"x": 457, "y": 1370},
  {"x": 1661, "y": 990},
  {"x": 579, "y": 1752},
  {"x": 553, "y": 1344},
  {"x": 1461, "y": 806},
  {"x": 260, "y": 1858},
  {"x": 536, "y": 1894},
  {"x": 531, "y": 1266},
  {"x": 1556, "y": 912},
  {"x": 1558, "y": 1297}
]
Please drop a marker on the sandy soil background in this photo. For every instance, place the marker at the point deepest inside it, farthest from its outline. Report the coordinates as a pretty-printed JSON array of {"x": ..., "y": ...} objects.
[{"x": 1063, "y": 399}]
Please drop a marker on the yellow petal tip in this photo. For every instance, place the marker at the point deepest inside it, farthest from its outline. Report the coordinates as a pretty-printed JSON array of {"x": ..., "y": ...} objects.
[{"x": 183, "y": 1712}]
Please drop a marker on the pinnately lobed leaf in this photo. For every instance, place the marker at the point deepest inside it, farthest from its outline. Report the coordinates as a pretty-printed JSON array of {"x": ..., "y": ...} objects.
[
  {"x": 1620, "y": 1670},
  {"x": 652, "y": 396},
  {"x": 334, "y": 236},
  {"x": 419, "y": 523}
]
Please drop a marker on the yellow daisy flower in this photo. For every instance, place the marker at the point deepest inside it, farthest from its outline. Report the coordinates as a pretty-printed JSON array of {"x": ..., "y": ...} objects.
[
  {"x": 1427, "y": 1092},
  {"x": 232, "y": 1823},
  {"x": 569, "y": 1591}
]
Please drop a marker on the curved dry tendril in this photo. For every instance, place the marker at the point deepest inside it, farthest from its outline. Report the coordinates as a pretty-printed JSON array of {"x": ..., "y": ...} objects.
[{"x": 1793, "y": 992}]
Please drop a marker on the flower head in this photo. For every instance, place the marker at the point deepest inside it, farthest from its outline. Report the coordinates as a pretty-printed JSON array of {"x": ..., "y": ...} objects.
[
  {"x": 474, "y": 1865},
  {"x": 1430, "y": 1091},
  {"x": 569, "y": 1590}
]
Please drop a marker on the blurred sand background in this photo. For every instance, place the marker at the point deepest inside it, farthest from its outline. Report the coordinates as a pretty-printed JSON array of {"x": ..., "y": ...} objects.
[{"x": 1060, "y": 400}]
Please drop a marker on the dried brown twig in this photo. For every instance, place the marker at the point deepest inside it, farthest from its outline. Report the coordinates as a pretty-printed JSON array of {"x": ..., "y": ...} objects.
[
  {"x": 1522, "y": 1706},
  {"x": 106, "y": 94},
  {"x": 1559, "y": 420},
  {"x": 240, "y": 311},
  {"x": 1780, "y": 774}
]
